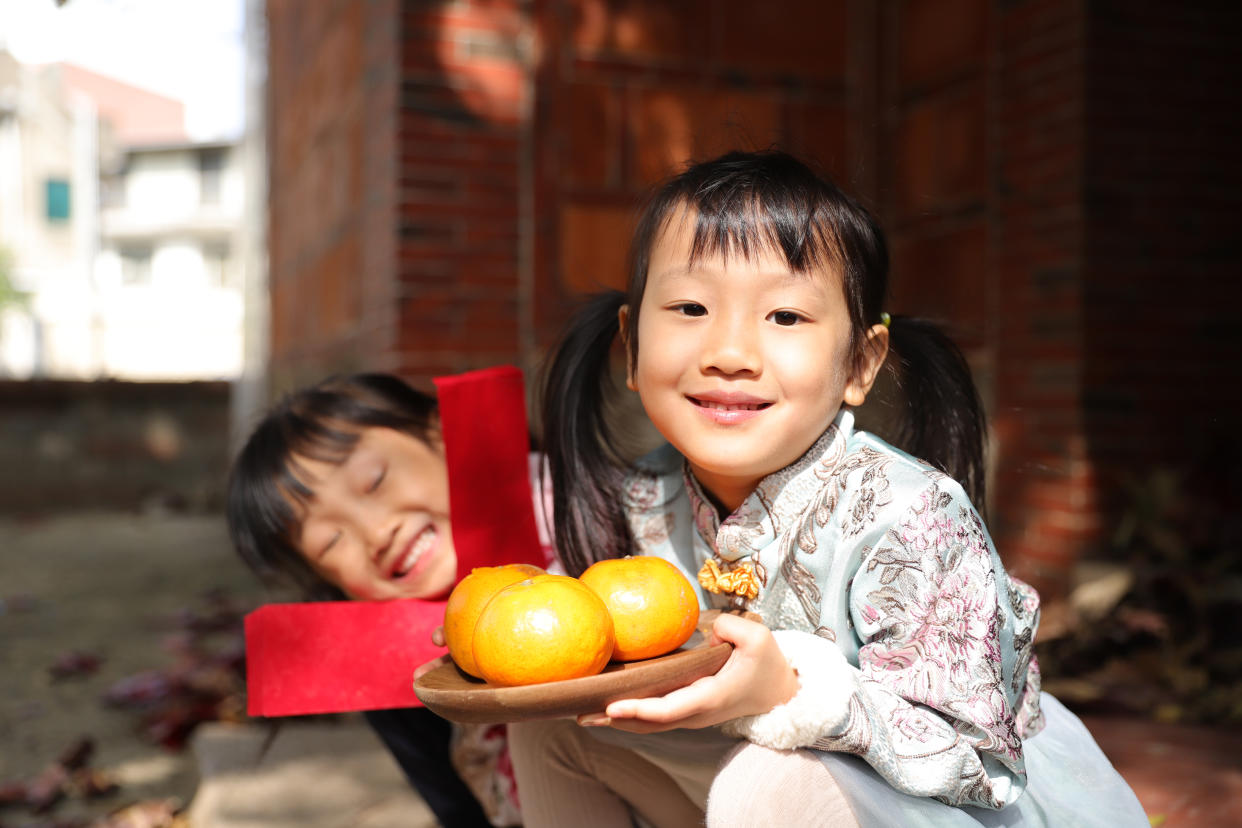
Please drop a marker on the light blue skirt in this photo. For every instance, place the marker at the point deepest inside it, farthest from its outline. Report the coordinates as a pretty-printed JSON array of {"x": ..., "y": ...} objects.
[{"x": 1070, "y": 782}]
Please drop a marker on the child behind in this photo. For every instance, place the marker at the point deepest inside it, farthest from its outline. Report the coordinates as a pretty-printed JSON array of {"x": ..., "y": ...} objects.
[
  {"x": 753, "y": 324},
  {"x": 342, "y": 491}
]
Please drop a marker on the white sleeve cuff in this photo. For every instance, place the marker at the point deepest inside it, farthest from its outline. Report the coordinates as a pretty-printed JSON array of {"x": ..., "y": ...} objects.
[{"x": 821, "y": 707}]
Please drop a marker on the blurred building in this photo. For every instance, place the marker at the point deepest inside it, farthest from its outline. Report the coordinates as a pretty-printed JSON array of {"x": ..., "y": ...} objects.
[
  {"x": 1059, "y": 180},
  {"x": 121, "y": 235},
  {"x": 167, "y": 274}
]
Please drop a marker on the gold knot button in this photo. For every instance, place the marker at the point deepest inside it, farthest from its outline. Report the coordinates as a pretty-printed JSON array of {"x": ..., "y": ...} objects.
[{"x": 741, "y": 580}]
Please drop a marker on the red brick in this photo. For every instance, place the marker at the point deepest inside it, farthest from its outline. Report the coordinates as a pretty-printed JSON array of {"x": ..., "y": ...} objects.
[
  {"x": 941, "y": 153},
  {"x": 945, "y": 276},
  {"x": 803, "y": 39},
  {"x": 640, "y": 29},
  {"x": 591, "y": 119},
  {"x": 939, "y": 39},
  {"x": 820, "y": 134},
  {"x": 670, "y": 127},
  {"x": 594, "y": 246}
]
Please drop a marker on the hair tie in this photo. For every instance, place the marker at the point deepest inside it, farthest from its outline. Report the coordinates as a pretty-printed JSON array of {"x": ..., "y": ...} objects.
[{"x": 885, "y": 319}]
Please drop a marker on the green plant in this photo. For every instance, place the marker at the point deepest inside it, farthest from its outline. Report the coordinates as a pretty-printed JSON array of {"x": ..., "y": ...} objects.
[{"x": 9, "y": 294}]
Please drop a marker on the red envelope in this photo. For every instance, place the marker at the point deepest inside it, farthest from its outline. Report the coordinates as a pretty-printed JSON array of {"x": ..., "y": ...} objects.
[{"x": 338, "y": 656}]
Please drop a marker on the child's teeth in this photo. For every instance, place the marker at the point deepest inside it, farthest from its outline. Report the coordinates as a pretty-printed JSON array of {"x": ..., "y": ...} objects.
[
  {"x": 421, "y": 544},
  {"x": 727, "y": 407}
]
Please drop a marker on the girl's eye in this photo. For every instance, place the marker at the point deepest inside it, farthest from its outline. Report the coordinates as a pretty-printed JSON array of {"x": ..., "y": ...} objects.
[
  {"x": 785, "y": 318},
  {"x": 327, "y": 548},
  {"x": 379, "y": 478},
  {"x": 691, "y": 309}
]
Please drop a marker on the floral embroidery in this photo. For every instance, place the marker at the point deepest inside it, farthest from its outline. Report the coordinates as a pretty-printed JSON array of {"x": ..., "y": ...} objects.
[
  {"x": 650, "y": 526},
  {"x": 802, "y": 581},
  {"x": 939, "y": 619},
  {"x": 857, "y": 736}
]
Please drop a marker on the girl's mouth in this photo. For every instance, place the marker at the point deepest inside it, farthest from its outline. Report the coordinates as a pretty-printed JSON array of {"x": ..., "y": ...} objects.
[
  {"x": 422, "y": 543},
  {"x": 730, "y": 412},
  {"x": 719, "y": 406}
]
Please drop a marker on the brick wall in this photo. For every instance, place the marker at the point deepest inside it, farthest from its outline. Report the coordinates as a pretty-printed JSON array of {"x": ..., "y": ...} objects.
[
  {"x": 1058, "y": 179},
  {"x": 68, "y": 446},
  {"x": 628, "y": 92},
  {"x": 981, "y": 191},
  {"x": 463, "y": 291},
  {"x": 1045, "y": 516},
  {"x": 1163, "y": 195},
  {"x": 333, "y": 77}
]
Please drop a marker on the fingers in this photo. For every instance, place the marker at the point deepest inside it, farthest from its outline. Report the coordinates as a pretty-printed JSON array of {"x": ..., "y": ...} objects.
[
  {"x": 738, "y": 631},
  {"x": 640, "y": 726},
  {"x": 690, "y": 702},
  {"x": 437, "y": 637}
]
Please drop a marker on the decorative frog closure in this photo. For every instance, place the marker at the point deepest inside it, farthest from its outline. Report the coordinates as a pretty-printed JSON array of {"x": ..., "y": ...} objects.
[{"x": 740, "y": 580}]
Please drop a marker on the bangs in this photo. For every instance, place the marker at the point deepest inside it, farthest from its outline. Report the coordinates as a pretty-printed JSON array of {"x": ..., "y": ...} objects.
[
  {"x": 271, "y": 484},
  {"x": 311, "y": 440},
  {"x": 775, "y": 210},
  {"x": 805, "y": 242}
]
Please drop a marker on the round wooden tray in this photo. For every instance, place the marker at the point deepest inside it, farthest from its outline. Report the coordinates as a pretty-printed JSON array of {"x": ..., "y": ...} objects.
[{"x": 449, "y": 692}]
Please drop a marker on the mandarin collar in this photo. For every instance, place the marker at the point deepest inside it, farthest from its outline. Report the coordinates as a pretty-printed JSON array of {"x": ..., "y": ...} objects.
[{"x": 786, "y": 492}]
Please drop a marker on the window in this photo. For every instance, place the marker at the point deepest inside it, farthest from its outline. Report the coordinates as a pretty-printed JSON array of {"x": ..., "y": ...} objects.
[
  {"x": 210, "y": 171},
  {"x": 112, "y": 191},
  {"x": 135, "y": 265},
  {"x": 216, "y": 264},
  {"x": 57, "y": 200}
]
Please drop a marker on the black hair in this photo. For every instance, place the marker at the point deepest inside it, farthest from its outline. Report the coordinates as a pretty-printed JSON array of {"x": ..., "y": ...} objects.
[
  {"x": 321, "y": 422},
  {"x": 742, "y": 203}
]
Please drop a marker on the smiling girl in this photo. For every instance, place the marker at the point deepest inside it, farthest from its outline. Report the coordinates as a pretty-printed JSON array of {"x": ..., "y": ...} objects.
[
  {"x": 891, "y": 680},
  {"x": 342, "y": 491}
]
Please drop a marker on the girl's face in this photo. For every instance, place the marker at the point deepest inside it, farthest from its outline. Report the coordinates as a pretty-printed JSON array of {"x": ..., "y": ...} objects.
[
  {"x": 742, "y": 364},
  {"x": 377, "y": 524}
]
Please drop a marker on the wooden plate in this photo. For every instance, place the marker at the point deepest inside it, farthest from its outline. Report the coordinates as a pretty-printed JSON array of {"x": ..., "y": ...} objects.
[{"x": 458, "y": 697}]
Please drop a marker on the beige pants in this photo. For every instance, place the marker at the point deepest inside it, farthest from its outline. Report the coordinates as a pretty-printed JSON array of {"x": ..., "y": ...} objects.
[{"x": 568, "y": 776}]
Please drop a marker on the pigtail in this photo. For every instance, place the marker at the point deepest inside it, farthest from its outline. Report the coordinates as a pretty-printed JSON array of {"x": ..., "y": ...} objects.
[
  {"x": 942, "y": 420},
  {"x": 588, "y": 516}
]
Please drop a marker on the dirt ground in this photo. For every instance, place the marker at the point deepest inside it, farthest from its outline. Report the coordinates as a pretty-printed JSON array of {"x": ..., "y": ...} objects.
[{"x": 115, "y": 588}]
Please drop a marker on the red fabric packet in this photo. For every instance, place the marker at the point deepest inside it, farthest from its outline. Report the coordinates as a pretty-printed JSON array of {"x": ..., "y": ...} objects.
[{"x": 338, "y": 656}]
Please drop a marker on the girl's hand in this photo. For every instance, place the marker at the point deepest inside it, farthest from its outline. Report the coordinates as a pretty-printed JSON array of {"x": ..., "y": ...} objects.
[
  {"x": 755, "y": 679},
  {"x": 437, "y": 638}
]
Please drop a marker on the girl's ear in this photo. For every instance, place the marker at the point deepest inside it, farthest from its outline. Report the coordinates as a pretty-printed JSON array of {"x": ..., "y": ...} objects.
[
  {"x": 623, "y": 317},
  {"x": 875, "y": 351}
]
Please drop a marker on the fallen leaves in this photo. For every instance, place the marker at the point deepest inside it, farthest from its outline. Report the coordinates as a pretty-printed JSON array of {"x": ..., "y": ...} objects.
[
  {"x": 1152, "y": 628},
  {"x": 203, "y": 681}
]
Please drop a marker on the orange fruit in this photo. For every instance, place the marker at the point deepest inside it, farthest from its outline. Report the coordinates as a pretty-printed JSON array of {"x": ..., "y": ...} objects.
[
  {"x": 547, "y": 628},
  {"x": 468, "y": 599},
  {"x": 654, "y": 608}
]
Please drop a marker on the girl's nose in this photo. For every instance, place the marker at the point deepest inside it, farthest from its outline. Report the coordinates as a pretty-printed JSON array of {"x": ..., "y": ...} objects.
[
  {"x": 730, "y": 346},
  {"x": 378, "y": 534}
]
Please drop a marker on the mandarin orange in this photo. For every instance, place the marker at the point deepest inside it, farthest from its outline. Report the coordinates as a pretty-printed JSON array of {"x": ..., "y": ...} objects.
[
  {"x": 468, "y": 599},
  {"x": 654, "y": 608},
  {"x": 547, "y": 628}
]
